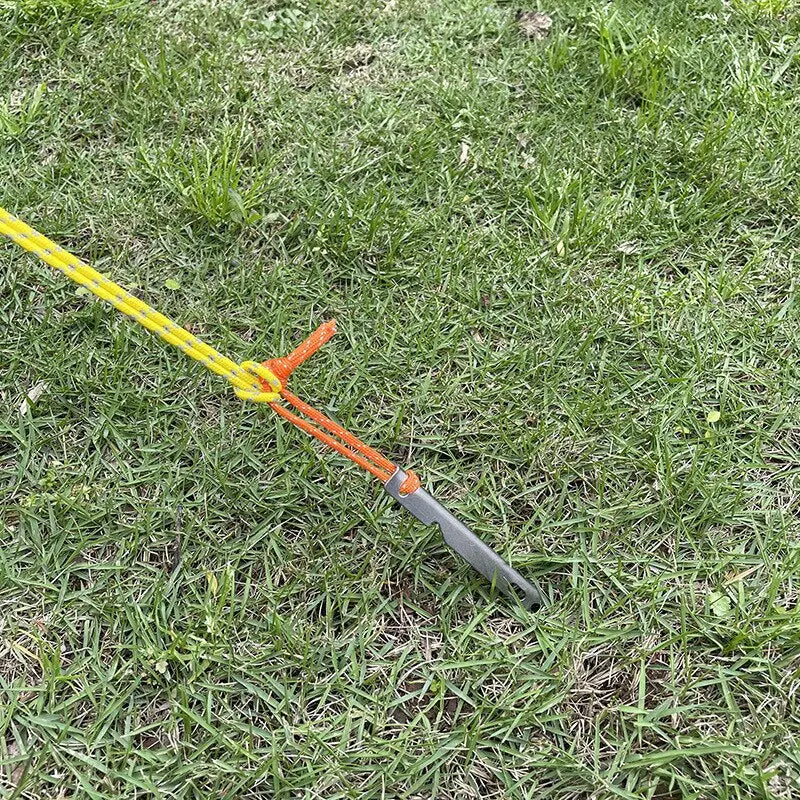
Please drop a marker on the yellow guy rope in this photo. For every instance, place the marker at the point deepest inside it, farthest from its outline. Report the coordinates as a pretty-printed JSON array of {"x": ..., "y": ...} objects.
[{"x": 244, "y": 377}]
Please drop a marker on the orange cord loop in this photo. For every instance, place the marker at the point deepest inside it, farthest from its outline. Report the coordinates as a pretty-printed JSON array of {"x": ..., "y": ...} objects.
[
  {"x": 323, "y": 428},
  {"x": 411, "y": 483}
]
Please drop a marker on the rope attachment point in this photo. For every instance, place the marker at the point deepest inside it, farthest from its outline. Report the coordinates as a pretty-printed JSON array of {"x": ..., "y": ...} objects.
[{"x": 266, "y": 386}]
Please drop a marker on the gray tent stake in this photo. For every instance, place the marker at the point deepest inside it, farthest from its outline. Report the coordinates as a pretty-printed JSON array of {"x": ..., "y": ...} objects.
[{"x": 475, "y": 552}]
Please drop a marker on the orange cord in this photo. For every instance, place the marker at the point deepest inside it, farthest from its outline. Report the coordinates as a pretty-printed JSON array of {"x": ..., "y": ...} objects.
[
  {"x": 284, "y": 367},
  {"x": 350, "y": 446}
]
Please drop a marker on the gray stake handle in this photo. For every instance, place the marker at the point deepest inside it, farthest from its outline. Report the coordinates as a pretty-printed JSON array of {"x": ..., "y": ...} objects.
[{"x": 475, "y": 552}]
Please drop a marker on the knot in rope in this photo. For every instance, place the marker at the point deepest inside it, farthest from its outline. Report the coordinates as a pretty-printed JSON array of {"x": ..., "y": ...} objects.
[{"x": 265, "y": 386}]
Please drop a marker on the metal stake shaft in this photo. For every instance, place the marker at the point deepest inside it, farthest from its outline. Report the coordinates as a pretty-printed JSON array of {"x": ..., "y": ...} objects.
[{"x": 460, "y": 538}]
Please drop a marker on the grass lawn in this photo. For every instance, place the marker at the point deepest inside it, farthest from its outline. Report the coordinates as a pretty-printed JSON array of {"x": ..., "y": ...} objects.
[{"x": 565, "y": 274}]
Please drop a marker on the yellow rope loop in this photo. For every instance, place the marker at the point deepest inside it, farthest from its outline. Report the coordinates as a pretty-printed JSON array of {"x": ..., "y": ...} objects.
[
  {"x": 244, "y": 377},
  {"x": 256, "y": 394}
]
